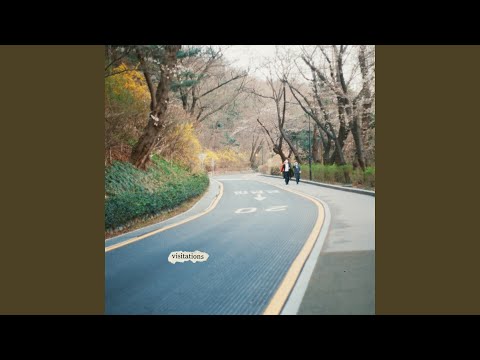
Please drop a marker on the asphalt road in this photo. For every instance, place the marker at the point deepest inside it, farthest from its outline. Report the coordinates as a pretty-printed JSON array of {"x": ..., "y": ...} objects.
[
  {"x": 252, "y": 237},
  {"x": 343, "y": 277}
]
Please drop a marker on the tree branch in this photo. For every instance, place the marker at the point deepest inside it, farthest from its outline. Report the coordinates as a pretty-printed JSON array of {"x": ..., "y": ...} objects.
[
  {"x": 311, "y": 112},
  {"x": 213, "y": 111},
  {"x": 117, "y": 59},
  {"x": 222, "y": 84},
  {"x": 118, "y": 72},
  {"x": 319, "y": 74},
  {"x": 148, "y": 78},
  {"x": 268, "y": 132},
  {"x": 340, "y": 69},
  {"x": 284, "y": 104},
  {"x": 252, "y": 91}
]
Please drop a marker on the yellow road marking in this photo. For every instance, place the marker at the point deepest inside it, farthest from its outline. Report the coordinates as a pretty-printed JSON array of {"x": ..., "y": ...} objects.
[
  {"x": 280, "y": 297},
  {"x": 138, "y": 238}
]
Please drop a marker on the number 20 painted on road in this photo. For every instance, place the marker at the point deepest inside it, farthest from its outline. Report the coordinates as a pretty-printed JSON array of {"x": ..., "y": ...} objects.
[{"x": 252, "y": 209}]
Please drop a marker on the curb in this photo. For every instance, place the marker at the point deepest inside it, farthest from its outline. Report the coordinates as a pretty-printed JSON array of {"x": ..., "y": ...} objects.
[
  {"x": 210, "y": 207},
  {"x": 337, "y": 187},
  {"x": 173, "y": 217},
  {"x": 297, "y": 294}
]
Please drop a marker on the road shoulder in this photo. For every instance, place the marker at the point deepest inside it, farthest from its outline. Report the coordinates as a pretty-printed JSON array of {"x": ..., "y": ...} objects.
[{"x": 337, "y": 278}]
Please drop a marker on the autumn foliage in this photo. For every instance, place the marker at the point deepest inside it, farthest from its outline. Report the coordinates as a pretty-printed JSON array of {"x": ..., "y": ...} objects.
[
  {"x": 126, "y": 113},
  {"x": 126, "y": 107}
]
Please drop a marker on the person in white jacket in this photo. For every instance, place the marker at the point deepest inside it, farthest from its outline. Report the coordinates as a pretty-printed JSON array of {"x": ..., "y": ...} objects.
[{"x": 286, "y": 171}]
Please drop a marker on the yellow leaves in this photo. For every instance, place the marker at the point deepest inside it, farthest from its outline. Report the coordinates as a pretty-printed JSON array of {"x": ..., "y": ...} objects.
[
  {"x": 127, "y": 86},
  {"x": 225, "y": 158},
  {"x": 211, "y": 155},
  {"x": 126, "y": 105},
  {"x": 180, "y": 143}
]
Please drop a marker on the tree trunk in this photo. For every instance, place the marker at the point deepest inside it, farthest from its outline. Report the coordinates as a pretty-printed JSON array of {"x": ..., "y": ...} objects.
[
  {"x": 281, "y": 122},
  {"x": 352, "y": 114},
  {"x": 356, "y": 132},
  {"x": 366, "y": 119},
  {"x": 340, "y": 160},
  {"x": 338, "y": 154},
  {"x": 343, "y": 130},
  {"x": 184, "y": 98},
  {"x": 278, "y": 150},
  {"x": 316, "y": 147},
  {"x": 256, "y": 147},
  {"x": 366, "y": 104},
  {"x": 141, "y": 151},
  {"x": 290, "y": 145},
  {"x": 327, "y": 145}
]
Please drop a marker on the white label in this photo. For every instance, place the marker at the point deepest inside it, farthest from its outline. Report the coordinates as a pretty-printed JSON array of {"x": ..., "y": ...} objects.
[{"x": 182, "y": 256}]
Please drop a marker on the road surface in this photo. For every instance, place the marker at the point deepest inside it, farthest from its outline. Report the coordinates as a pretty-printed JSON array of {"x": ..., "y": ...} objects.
[{"x": 254, "y": 236}]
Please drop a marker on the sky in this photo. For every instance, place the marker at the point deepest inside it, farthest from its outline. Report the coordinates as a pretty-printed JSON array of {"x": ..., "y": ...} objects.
[{"x": 244, "y": 56}]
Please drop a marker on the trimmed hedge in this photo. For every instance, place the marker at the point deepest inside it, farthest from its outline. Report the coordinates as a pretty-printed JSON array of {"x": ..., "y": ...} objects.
[
  {"x": 332, "y": 174},
  {"x": 135, "y": 194},
  {"x": 336, "y": 174}
]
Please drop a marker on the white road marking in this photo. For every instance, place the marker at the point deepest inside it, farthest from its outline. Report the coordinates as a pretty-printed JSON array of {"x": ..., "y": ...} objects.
[
  {"x": 277, "y": 208},
  {"x": 259, "y": 197},
  {"x": 245, "y": 210}
]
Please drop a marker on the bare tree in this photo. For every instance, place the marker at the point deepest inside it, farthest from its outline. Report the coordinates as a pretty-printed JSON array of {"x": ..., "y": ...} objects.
[
  {"x": 321, "y": 118},
  {"x": 257, "y": 143},
  {"x": 347, "y": 101},
  {"x": 366, "y": 117},
  {"x": 278, "y": 95},
  {"x": 276, "y": 144},
  {"x": 203, "y": 75}
]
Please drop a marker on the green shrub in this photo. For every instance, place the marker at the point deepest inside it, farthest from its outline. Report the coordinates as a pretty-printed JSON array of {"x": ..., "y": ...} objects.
[
  {"x": 135, "y": 194},
  {"x": 336, "y": 174},
  {"x": 330, "y": 171},
  {"x": 369, "y": 177}
]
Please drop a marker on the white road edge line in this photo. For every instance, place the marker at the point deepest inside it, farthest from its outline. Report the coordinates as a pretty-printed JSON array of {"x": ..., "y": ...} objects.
[{"x": 294, "y": 301}]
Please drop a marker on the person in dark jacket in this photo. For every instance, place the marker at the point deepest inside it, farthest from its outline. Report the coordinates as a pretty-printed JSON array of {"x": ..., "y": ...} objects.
[
  {"x": 286, "y": 168},
  {"x": 297, "y": 171}
]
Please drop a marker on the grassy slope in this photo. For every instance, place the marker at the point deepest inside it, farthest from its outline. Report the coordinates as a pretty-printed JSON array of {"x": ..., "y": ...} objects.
[{"x": 133, "y": 195}]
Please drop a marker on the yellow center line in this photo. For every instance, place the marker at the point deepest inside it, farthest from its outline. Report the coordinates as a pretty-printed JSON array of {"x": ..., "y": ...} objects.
[
  {"x": 280, "y": 297},
  {"x": 212, "y": 205}
]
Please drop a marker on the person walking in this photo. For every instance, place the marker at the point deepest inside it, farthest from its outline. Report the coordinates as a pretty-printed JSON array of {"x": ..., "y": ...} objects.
[
  {"x": 286, "y": 168},
  {"x": 297, "y": 171}
]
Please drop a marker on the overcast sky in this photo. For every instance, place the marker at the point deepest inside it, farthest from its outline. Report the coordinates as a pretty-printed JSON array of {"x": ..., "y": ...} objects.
[
  {"x": 244, "y": 56},
  {"x": 249, "y": 55}
]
